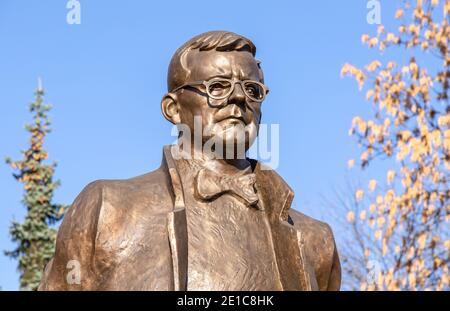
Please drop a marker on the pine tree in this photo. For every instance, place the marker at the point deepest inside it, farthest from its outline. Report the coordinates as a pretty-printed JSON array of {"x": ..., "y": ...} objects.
[{"x": 35, "y": 236}]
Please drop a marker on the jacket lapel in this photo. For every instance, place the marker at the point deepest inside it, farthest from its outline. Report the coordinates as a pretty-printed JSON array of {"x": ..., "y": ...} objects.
[
  {"x": 177, "y": 225},
  {"x": 288, "y": 241}
]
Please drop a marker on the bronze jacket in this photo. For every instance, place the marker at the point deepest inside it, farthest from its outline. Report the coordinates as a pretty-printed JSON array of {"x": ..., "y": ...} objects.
[{"x": 96, "y": 236}]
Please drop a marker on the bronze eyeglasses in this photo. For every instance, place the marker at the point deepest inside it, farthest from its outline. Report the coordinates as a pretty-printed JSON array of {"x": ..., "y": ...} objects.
[{"x": 221, "y": 88}]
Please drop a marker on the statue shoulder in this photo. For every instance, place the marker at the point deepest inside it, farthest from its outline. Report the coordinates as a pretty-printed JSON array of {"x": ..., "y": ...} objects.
[
  {"x": 151, "y": 189},
  {"x": 95, "y": 225},
  {"x": 105, "y": 203},
  {"x": 320, "y": 248},
  {"x": 316, "y": 229}
]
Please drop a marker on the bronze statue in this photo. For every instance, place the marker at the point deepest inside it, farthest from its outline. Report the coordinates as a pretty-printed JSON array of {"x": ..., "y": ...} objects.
[{"x": 198, "y": 222}]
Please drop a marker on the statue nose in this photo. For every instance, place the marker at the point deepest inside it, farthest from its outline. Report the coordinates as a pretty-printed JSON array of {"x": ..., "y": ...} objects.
[
  {"x": 238, "y": 95},
  {"x": 236, "y": 111}
]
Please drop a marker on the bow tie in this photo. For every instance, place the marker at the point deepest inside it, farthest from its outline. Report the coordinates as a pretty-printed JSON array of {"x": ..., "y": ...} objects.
[{"x": 210, "y": 185}]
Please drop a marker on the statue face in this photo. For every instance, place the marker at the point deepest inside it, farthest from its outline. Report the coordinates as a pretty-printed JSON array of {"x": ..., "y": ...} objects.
[{"x": 235, "y": 112}]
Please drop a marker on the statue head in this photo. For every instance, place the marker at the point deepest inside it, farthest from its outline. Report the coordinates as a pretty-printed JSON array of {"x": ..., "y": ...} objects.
[{"x": 215, "y": 79}]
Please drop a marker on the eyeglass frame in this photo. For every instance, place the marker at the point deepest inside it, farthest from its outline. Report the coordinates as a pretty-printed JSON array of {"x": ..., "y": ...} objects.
[{"x": 233, "y": 82}]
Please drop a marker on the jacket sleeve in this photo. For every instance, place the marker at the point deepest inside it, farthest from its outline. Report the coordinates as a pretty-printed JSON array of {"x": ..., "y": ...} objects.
[
  {"x": 334, "y": 282},
  {"x": 73, "y": 266}
]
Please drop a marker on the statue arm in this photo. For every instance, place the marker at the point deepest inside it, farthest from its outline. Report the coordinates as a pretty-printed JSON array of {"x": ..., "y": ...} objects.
[
  {"x": 73, "y": 265},
  {"x": 331, "y": 281},
  {"x": 334, "y": 282}
]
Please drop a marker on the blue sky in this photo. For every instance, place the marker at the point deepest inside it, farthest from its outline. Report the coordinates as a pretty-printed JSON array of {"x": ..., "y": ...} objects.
[{"x": 106, "y": 76}]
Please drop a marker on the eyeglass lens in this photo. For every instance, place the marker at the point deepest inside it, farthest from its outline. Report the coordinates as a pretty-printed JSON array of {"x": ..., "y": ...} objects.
[{"x": 222, "y": 88}]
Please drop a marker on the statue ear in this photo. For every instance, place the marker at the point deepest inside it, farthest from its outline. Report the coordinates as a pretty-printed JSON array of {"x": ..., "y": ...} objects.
[
  {"x": 170, "y": 108},
  {"x": 261, "y": 74}
]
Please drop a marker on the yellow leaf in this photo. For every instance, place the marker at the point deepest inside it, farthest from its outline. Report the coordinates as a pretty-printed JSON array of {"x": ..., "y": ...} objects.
[
  {"x": 390, "y": 176},
  {"x": 373, "y": 65},
  {"x": 412, "y": 280},
  {"x": 391, "y": 37},
  {"x": 421, "y": 240},
  {"x": 447, "y": 139},
  {"x": 362, "y": 215},
  {"x": 373, "y": 42},
  {"x": 372, "y": 184},
  {"x": 399, "y": 13},
  {"x": 350, "y": 163},
  {"x": 384, "y": 249},
  {"x": 447, "y": 244},
  {"x": 364, "y": 156},
  {"x": 364, "y": 38},
  {"x": 359, "y": 195},
  {"x": 350, "y": 216},
  {"x": 410, "y": 252},
  {"x": 379, "y": 199},
  {"x": 366, "y": 252},
  {"x": 378, "y": 234}
]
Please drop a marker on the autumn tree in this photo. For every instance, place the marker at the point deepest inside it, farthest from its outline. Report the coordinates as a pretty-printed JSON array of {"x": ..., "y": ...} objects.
[
  {"x": 35, "y": 236},
  {"x": 408, "y": 214}
]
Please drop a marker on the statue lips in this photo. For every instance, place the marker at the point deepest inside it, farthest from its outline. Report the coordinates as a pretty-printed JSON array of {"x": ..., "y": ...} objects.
[{"x": 231, "y": 121}]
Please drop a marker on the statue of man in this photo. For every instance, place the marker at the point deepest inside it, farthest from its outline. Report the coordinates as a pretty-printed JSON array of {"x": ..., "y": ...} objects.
[{"x": 204, "y": 220}]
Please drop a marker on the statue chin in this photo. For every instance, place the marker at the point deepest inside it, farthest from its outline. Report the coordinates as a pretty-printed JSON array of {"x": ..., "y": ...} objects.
[{"x": 235, "y": 143}]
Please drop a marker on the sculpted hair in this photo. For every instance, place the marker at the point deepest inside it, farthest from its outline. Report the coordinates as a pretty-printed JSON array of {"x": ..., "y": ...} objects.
[{"x": 218, "y": 40}]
